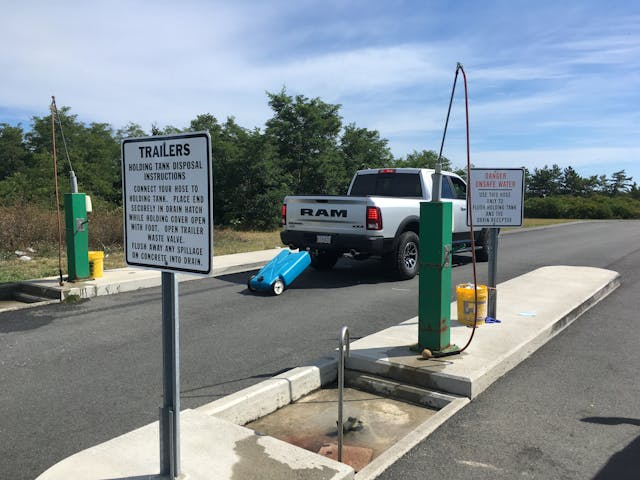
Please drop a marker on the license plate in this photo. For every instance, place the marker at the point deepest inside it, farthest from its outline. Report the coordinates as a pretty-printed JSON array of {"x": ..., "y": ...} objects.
[{"x": 323, "y": 239}]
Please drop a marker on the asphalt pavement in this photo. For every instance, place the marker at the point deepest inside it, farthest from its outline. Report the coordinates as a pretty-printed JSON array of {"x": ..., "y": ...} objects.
[
  {"x": 571, "y": 411},
  {"x": 76, "y": 374}
]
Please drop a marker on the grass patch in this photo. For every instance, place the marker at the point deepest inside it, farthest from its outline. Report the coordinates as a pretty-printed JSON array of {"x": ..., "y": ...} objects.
[
  {"x": 543, "y": 222},
  {"x": 44, "y": 262},
  {"x": 227, "y": 241}
]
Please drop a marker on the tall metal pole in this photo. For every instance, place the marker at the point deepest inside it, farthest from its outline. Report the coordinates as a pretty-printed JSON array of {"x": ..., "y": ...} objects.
[
  {"x": 493, "y": 272},
  {"x": 344, "y": 340},
  {"x": 55, "y": 180},
  {"x": 170, "y": 410}
]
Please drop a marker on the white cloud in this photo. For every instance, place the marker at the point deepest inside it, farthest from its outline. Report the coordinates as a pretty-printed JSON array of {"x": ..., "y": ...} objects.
[{"x": 545, "y": 80}]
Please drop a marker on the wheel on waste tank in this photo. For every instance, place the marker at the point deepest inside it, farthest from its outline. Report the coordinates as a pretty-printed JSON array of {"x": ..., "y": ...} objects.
[
  {"x": 249, "y": 286},
  {"x": 277, "y": 287}
]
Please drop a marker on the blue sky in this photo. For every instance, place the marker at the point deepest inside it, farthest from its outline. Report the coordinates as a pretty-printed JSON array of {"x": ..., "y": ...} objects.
[{"x": 550, "y": 81}]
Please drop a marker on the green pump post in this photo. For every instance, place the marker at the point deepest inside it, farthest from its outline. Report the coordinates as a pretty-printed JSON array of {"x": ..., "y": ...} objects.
[
  {"x": 75, "y": 213},
  {"x": 434, "y": 309}
]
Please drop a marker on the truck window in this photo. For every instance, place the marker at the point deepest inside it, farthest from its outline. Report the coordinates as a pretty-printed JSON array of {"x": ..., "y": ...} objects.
[
  {"x": 459, "y": 188},
  {"x": 447, "y": 192},
  {"x": 387, "y": 185}
]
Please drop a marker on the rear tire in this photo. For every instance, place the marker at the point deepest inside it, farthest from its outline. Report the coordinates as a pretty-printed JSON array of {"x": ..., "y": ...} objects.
[
  {"x": 324, "y": 260},
  {"x": 483, "y": 250},
  {"x": 403, "y": 262}
]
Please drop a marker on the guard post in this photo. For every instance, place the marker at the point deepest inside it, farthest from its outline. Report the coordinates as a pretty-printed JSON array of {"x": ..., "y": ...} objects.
[
  {"x": 434, "y": 309},
  {"x": 76, "y": 226}
]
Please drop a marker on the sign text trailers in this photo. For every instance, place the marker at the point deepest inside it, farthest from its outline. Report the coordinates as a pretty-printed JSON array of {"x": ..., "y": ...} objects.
[
  {"x": 167, "y": 202},
  {"x": 497, "y": 197}
]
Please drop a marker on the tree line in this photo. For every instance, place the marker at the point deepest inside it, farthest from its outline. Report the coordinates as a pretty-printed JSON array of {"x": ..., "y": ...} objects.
[{"x": 304, "y": 148}]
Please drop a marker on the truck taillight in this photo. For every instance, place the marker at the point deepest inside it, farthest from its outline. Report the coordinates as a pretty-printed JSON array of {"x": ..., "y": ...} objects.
[
  {"x": 387, "y": 170},
  {"x": 284, "y": 214},
  {"x": 374, "y": 218}
]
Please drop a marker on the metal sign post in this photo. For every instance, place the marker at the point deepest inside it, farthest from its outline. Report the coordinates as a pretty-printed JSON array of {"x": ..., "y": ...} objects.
[
  {"x": 496, "y": 201},
  {"x": 170, "y": 410},
  {"x": 168, "y": 212},
  {"x": 493, "y": 272}
]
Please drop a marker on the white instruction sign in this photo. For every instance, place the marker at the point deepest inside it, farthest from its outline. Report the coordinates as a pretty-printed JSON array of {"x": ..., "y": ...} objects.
[
  {"x": 168, "y": 202},
  {"x": 497, "y": 197}
]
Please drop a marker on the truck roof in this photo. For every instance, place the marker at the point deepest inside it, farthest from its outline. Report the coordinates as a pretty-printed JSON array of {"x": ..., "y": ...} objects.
[{"x": 369, "y": 171}]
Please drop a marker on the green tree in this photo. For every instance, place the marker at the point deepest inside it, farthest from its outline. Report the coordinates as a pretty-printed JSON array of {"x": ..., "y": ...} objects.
[
  {"x": 423, "y": 159},
  {"x": 14, "y": 156},
  {"x": 363, "y": 148},
  {"x": 130, "y": 130},
  {"x": 619, "y": 183},
  {"x": 305, "y": 134},
  {"x": 222, "y": 159},
  {"x": 249, "y": 184},
  {"x": 572, "y": 183},
  {"x": 258, "y": 183},
  {"x": 596, "y": 184},
  {"x": 91, "y": 150},
  {"x": 545, "y": 181}
]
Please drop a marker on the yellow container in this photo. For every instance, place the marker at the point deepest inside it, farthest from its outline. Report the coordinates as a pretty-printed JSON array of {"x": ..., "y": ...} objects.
[
  {"x": 96, "y": 264},
  {"x": 466, "y": 304}
]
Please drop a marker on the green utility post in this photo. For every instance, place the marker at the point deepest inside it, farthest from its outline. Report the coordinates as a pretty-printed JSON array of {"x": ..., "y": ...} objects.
[
  {"x": 75, "y": 213},
  {"x": 434, "y": 310}
]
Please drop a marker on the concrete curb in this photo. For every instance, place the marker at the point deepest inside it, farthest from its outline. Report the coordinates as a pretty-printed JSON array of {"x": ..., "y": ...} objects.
[{"x": 268, "y": 396}]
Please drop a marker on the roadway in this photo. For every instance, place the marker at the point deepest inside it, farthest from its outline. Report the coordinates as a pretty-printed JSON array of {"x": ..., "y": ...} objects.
[{"x": 74, "y": 375}]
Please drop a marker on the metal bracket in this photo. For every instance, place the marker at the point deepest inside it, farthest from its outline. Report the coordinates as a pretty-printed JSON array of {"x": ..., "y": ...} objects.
[
  {"x": 80, "y": 223},
  {"x": 447, "y": 256},
  {"x": 447, "y": 260}
]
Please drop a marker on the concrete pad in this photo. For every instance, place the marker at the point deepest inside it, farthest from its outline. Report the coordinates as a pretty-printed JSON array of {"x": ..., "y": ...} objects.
[
  {"x": 533, "y": 308},
  {"x": 210, "y": 448}
]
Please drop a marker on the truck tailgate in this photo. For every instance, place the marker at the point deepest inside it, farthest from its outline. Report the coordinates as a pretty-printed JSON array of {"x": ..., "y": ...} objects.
[{"x": 326, "y": 214}]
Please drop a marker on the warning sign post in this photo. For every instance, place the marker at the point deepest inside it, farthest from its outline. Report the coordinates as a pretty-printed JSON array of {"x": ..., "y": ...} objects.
[
  {"x": 167, "y": 199},
  {"x": 167, "y": 202},
  {"x": 497, "y": 200}
]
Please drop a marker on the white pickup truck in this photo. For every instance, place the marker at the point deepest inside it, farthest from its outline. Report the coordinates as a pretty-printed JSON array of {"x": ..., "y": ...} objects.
[{"x": 379, "y": 216}]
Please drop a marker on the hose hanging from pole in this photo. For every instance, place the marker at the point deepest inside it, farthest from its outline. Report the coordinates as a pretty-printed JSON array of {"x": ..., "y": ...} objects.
[
  {"x": 72, "y": 175},
  {"x": 459, "y": 68}
]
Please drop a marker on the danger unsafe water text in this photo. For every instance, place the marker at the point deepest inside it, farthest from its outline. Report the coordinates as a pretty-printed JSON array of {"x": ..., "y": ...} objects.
[{"x": 496, "y": 197}]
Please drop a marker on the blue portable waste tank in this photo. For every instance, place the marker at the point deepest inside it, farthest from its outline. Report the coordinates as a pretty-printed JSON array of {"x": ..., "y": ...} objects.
[{"x": 280, "y": 272}]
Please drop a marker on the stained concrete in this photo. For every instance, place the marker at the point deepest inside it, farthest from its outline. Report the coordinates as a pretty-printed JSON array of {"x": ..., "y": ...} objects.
[
  {"x": 311, "y": 422},
  {"x": 209, "y": 448}
]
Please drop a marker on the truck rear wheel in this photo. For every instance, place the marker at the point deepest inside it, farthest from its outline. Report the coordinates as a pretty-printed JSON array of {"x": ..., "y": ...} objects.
[
  {"x": 323, "y": 260},
  {"x": 483, "y": 250},
  {"x": 402, "y": 263}
]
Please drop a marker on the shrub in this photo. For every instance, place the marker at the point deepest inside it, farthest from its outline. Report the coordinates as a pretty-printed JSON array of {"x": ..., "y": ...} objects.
[{"x": 26, "y": 226}]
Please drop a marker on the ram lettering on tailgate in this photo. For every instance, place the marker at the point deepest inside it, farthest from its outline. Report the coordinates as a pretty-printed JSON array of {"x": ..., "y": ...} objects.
[{"x": 323, "y": 212}]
